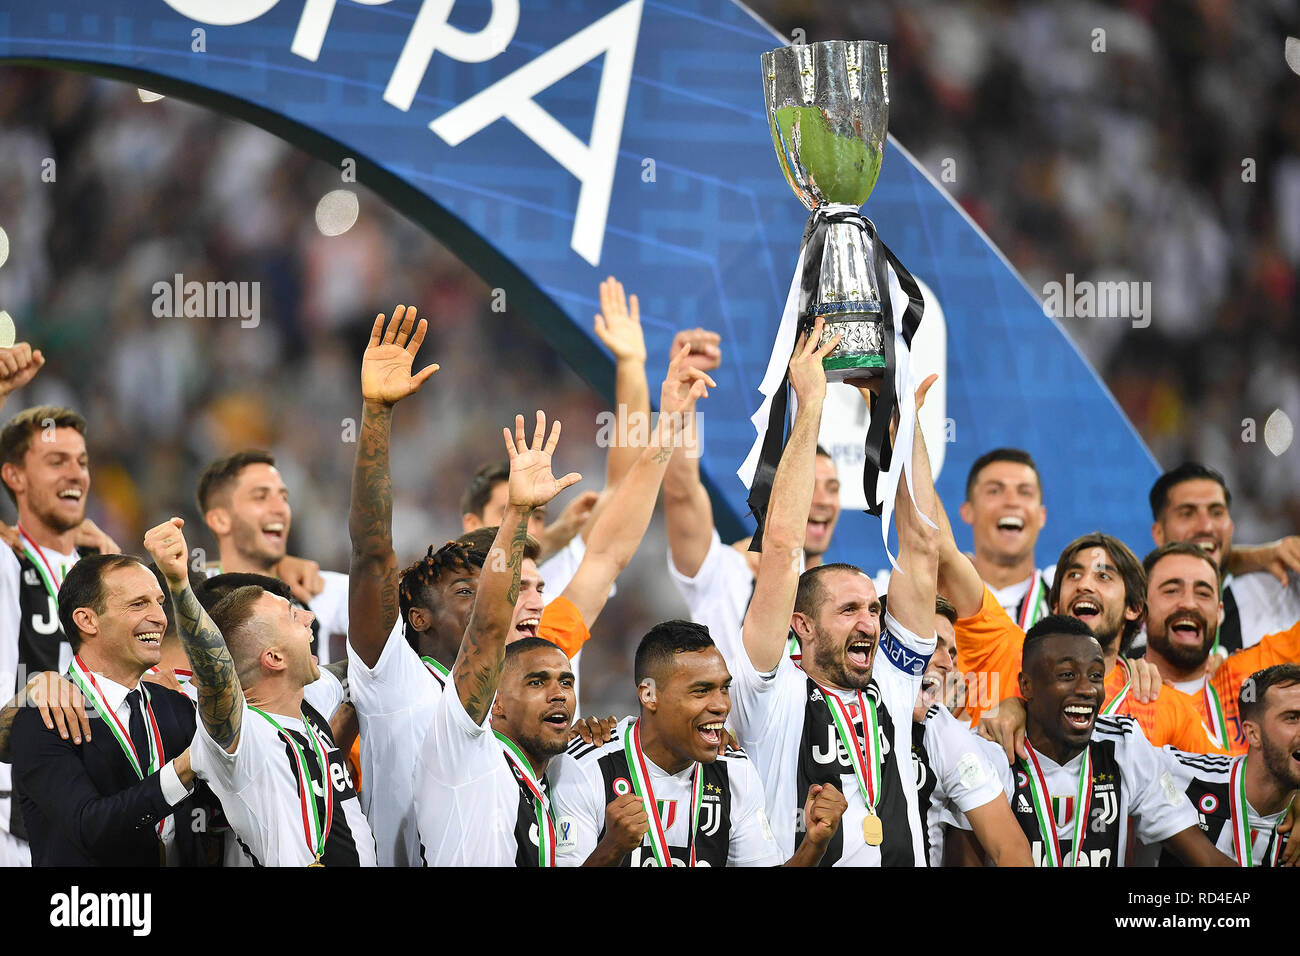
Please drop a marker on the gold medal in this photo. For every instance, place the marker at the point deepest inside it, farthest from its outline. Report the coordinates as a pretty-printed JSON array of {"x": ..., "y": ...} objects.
[
  {"x": 315, "y": 862},
  {"x": 872, "y": 830}
]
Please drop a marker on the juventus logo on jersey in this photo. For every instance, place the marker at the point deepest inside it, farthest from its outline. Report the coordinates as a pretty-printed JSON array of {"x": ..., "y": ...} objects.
[{"x": 710, "y": 814}]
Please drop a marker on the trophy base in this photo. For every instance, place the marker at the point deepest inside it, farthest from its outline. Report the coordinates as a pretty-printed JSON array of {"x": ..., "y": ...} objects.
[
  {"x": 861, "y": 352},
  {"x": 841, "y": 368}
]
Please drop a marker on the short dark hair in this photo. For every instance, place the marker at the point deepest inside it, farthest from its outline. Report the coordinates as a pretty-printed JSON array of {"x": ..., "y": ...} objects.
[
  {"x": 823, "y": 453},
  {"x": 526, "y": 644},
  {"x": 1054, "y": 625},
  {"x": 16, "y": 437},
  {"x": 481, "y": 485},
  {"x": 665, "y": 641},
  {"x": 211, "y": 590},
  {"x": 1251, "y": 700},
  {"x": 811, "y": 595},
  {"x": 221, "y": 474},
  {"x": 1187, "y": 471},
  {"x": 416, "y": 582},
  {"x": 1130, "y": 572},
  {"x": 1178, "y": 547},
  {"x": 480, "y": 540},
  {"x": 1016, "y": 455},
  {"x": 942, "y": 606},
  {"x": 83, "y": 586},
  {"x": 231, "y": 615}
]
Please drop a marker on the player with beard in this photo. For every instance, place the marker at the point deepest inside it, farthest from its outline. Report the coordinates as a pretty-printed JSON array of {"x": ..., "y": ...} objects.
[
  {"x": 396, "y": 682},
  {"x": 263, "y": 745},
  {"x": 717, "y": 580},
  {"x": 1100, "y": 582},
  {"x": 1243, "y": 800},
  {"x": 840, "y": 719},
  {"x": 958, "y": 782},
  {"x": 1004, "y": 507},
  {"x": 660, "y": 793},
  {"x": 481, "y": 795},
  {"x": 245, "y": 503},
  {"x": 1183, "y": 612},
  {"x": 1089, "y": 780},
  {"x": 1191, "y": 503},
  {"x": 46, "y": 473}
]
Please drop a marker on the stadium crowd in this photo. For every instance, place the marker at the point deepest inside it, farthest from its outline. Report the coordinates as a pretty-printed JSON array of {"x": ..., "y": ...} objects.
[{"x": 222, "y": 701}]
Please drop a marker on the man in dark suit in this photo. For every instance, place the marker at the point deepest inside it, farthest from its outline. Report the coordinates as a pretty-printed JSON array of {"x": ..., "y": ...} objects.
[{"x": 122, "y": 797}]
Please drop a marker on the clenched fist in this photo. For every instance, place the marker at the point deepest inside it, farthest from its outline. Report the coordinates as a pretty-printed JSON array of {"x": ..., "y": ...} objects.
[
  {"x": 626, "y": 823},
  {"x": 822, "y": 812},
  {"x": 166, "y": 544}
]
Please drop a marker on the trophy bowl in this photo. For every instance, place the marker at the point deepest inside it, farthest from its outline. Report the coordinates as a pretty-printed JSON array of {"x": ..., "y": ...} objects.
[{"x": 828, "y": 110}]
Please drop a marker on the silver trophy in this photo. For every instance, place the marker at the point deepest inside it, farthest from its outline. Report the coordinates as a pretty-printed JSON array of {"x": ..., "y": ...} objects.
[{"x": 828, "y": 109}]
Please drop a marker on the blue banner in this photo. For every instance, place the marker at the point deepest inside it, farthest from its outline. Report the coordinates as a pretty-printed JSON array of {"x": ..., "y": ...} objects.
[{"x": 550, "y": 144}]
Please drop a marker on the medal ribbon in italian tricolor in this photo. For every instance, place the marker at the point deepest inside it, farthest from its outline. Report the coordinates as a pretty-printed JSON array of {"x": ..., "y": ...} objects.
[
  {"x": 1043, "y": 807},
  {"x": 1218, "y": 721},
  {"x": 34, "y": 554},
  {"x": 315, "y": 828},
  {"x": 1031, "y": 606},
  {"x": 542, "y": 806},
  {"x": 1117, "y": 701},
  {"x": 90, "y": 689},
  {"x": 640, "y": 771},
  {"x": 437, "y": 670},
  {"x": 866, "y": 756}
]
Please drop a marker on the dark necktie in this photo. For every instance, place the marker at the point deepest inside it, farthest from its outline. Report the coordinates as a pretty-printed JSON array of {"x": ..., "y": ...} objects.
[
  {"x": 1230, "y": 629},
  {"x": 139, "y": 733}
]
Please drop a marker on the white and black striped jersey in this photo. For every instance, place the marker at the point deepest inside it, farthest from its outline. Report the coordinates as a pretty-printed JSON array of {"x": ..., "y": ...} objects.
[
  {"x": 956, "y": 771},
  {"x": 31, "y": 641},
  {"x": 259, "y": 787},
  {"x": 1206, "y": 779},
  {"x": 733, "y": 826},
  {"x": 785, "y": 725},
  {"x": 1133, "y": 792}
]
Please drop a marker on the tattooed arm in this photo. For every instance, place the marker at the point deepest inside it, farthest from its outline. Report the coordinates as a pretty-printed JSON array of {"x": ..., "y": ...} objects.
[
  {"x": 372, "y": 571},
  {"x": 221, "y": 697},
  {"x": 622, "y": 523},
  {"x": 483, "y": 648}
]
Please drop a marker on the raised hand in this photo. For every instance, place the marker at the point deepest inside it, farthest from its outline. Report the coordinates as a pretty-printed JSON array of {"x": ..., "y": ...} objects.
[
  {"x": 618, "y": 324},
  {"x": 166, "y": 544},
  {"x": 386, "y": 365},
  {"x": 531, "y": 482},
  {"x": 683, "y": 385},
  {"x": 18, "y": 366},
  {"x": 806, "y": 372},
  {"x": 705, "y": 346}
]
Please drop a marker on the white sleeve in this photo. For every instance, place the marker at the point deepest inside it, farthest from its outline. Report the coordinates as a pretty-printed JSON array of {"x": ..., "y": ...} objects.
[
  {"x": 997, "y": 759},
  {"x": 331, "y": 605},
  {"x": 231, "y": 771},
  {"x": 752, "y": 842},
  {"x": 1156, "y": 801},
  {"x": 899, "y": 665},
  {"x": 456, "y": 750},
  {"x": 577, "y": 801},
  {"x": 719, "y": 592},
  {"x": 325, "y": 694},
  {"x": 10, "y": 623},
  {"x": 398, "y": 680},
  {"x": 960, "y": 764}
]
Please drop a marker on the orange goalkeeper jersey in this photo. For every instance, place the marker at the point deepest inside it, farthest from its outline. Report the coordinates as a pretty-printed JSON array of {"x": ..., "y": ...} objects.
[
  {"x": 989, "y": 648},
  {"x": 1218, "y": 705},
  {"x": 563, "y": 626}
]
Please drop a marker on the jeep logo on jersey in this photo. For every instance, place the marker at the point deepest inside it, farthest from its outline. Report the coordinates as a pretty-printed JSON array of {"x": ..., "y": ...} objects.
[
  {"x": 834, "y": 750},
  {"x": 554, "y": 142}
]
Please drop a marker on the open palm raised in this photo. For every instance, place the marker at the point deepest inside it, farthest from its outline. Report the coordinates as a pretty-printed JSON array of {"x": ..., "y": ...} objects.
[
  {"x": 386, "y": 365},
  {"x": 531, "y": 482}
]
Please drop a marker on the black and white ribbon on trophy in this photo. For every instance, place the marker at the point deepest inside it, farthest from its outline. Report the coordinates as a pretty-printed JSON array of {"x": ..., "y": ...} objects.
[{"x": 902, "y": 307}]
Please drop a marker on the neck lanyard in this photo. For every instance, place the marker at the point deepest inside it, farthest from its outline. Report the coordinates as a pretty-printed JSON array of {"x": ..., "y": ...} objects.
[
  {"x": 1242, "y": 847},
  {"x": 1118, "y": 700},
  {"x": 542, "y": 806},
  {"x": 1030, "y": 605},
  {"x": 1043, "y": 806},
  {"x": 1218, "y": 721},
  {"x": 43, "y": 568},
  {"x": 866, "y": 756},
  {"x": 90, "y": 688},
  {"x": 315, "y": 828},
  {"x": 636, "y": 763}
]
